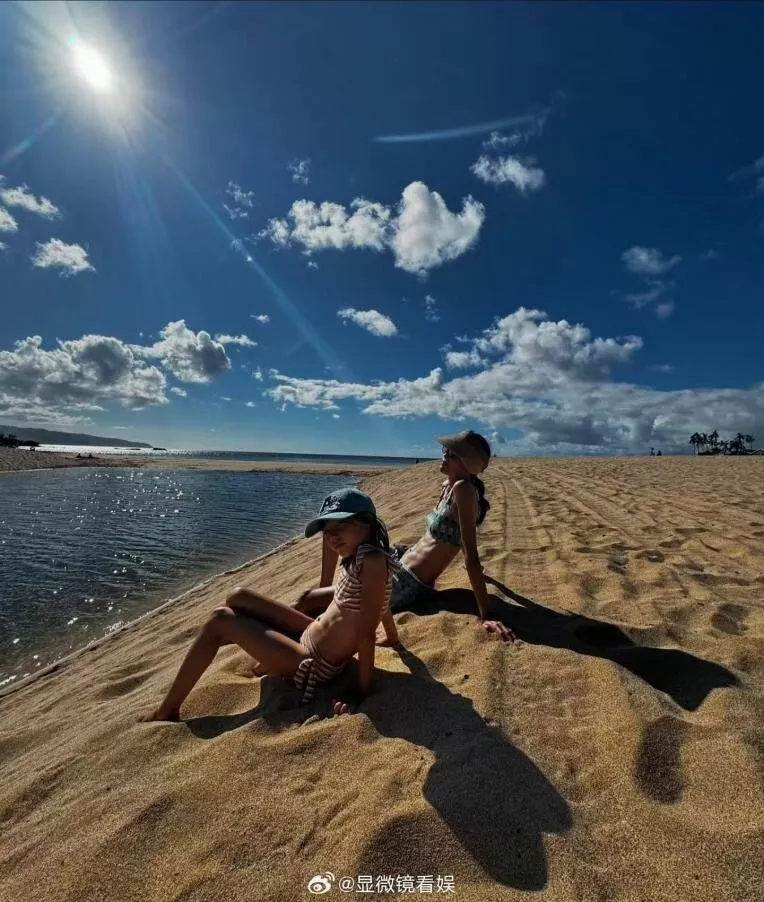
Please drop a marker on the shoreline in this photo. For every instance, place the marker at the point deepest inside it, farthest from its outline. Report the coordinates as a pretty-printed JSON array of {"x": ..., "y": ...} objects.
[
  {"x": 20, "y": 461},
  {"x": 61, "y": 662}
]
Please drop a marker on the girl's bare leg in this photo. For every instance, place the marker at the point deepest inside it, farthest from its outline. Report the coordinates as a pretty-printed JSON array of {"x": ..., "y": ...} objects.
[
  {"x": 282, "y": 616},
  {"x": 277, "y": 652},
  {"x": 315, "y": 601}
]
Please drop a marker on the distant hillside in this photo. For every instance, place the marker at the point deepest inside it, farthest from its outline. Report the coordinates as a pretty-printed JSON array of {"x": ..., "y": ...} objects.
[{"x": 48, "y": 437}]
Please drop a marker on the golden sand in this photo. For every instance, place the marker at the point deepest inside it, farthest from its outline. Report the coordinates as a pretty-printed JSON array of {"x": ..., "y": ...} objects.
[{"x": 615, "y": 753}]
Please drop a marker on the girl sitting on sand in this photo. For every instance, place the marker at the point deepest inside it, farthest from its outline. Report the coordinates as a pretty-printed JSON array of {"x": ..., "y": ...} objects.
[
  {"x": 451, "y": 527},
  {"x": 289, "y": 643}
]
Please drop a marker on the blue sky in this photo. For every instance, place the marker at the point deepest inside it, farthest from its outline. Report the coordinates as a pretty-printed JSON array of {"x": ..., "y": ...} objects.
[{"x": 354, "y": 227}]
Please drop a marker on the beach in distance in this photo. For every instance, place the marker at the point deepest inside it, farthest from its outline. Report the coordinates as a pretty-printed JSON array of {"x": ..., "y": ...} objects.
[{"x": 615, "y": 751}]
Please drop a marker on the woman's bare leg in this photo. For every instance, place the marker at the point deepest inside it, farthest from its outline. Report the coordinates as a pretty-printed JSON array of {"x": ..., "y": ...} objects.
[{"x": 277, "y": 652}]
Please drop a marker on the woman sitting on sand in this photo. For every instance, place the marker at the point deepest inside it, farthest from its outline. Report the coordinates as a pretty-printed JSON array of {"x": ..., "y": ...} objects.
[
  {"x": 289, "y": 643},
  {"x": 451, "y": 527}
]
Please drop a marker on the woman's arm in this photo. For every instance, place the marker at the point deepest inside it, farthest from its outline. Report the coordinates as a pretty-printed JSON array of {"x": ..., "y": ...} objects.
[
  {"x": 329, "y": 560},
  {"x": 466, "y": 508}
]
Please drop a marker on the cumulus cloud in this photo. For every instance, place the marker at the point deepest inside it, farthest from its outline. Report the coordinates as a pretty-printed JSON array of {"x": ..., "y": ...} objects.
[
  {"x": 261, "y": 317},
  {"x": 371, "y": 320},
  {"x": 7, "y": 222},
  {"x": 312, "y": 264},
  {"x": 654, "y": 290},
  {"x": 56, "y": 254},
  {"x": 552, "y": 380},
  {"x": 462, "y": 360},
  {"x": 427, "y": 233},
  {"x": 258, "y": 374},
  {"x": 76, "y": 376},
  {"x": 421, "y": 231},
  {"x": 21, "y": 197},
  {"x": 523, "y": 174},
  {"x": 300, "y": 170},
  {"x": 244, "y": 340},
  {"x": 648, "y": 261},
  {"x": 250, "y": 404},
  {"x": 191, "y": 356},
  {"x": 68, "y": 381}
]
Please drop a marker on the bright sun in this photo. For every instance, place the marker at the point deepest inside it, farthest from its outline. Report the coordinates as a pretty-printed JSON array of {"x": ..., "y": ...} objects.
[{"x": 92, "y": 67}]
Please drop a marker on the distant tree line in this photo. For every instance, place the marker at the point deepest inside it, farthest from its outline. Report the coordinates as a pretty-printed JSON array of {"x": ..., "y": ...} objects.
[
  {"x": 10, "y": 441},
  {"x": 710, "y": 443}
]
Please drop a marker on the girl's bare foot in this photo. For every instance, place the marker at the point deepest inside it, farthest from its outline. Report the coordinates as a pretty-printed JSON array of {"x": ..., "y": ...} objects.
[
  {"x": 381, "y": 639},
  {"x": 159, "y": 714}
]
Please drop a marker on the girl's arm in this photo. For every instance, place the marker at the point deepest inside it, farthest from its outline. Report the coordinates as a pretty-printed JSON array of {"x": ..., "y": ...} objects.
[
  {"x": 466, "y": 506},
  {"x": 329, "y": 560},
  {"x": 373, "y": 586}
]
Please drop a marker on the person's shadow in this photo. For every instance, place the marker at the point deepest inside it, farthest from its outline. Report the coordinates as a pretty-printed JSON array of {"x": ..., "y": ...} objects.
[
  {"x": 490, "y": 797},
  {"x": 685, "y": 678}
]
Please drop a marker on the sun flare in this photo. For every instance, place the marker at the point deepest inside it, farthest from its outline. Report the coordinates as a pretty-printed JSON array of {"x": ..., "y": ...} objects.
[{"x": 92, "y": 67}]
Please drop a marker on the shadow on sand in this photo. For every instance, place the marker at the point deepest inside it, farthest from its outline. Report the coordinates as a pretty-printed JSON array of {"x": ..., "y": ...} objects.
[
  {"x": 487, "y": 794},
  {"x": 685, "y": 678}
]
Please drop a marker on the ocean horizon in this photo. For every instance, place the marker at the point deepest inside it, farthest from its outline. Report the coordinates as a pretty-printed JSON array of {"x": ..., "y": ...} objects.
[{"x": 364, "y": 460}]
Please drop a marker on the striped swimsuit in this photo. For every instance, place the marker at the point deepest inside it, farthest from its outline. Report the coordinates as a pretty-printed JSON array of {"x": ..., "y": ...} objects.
[{"x": 347, "y": 596}]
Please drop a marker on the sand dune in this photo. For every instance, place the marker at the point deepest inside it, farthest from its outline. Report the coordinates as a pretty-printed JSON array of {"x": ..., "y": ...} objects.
[{"x": 615, "y": 753}]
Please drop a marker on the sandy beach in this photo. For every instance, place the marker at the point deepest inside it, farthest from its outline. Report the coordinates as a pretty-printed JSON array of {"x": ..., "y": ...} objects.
[
  {"x": 14, "y": 459},
  {"x": 615, "y": 752}
]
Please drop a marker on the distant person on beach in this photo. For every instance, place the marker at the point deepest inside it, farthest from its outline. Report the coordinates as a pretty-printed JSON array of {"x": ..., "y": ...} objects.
[
  {"x": 451, "y": 527},
  {"x": 289, "y": 643}
]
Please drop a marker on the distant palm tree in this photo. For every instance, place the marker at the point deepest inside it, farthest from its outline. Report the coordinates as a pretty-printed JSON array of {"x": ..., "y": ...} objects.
[
  {"x": 749, "y": 439},
  {"x": 713, "y": 439},
  {"x": 695, "y": 440}
]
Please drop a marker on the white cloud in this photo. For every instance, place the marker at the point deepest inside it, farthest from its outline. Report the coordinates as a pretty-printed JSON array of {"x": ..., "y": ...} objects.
[
  {"x": 312, "y": 264},
  {"x": 524, "y": 175},
  {"x": 655, "y": 289},
  {"x": 648, "y": 261},
  {"x": 662, "y": 368},
  {"x": 428, "y": 234},
  {"x": 335, "y": 416},
  {"x": 69, "y": 258},
  {"x": 78, "y": 375},
  {"x": 244, "y": 340},
  {"x": 664, "y": 310},
  {"x": 520, "y": 134},
  {"x": 462, "y": 360},
  {"x": 554, "y": 381},
  {"x": 180, "y": 392},
  {"x": 7, "y": 222},
  {"x": 258, "y": 374},
  {"x": 421, "y": 232},
  {"x": 3, "y": 246},
  {"x": 250, "y": 404},
  {"x": 20, "y": 197},
  {"x": 240, "y": 197},
  {"x": 260, "y": 317},
  {"x": 191, "y": 356},
  {"x": 371, "y": 320},
  {"x": 431, "y": 309},
  {"x": 300, "y": 170},
  {"x": 236, "y": 212}
]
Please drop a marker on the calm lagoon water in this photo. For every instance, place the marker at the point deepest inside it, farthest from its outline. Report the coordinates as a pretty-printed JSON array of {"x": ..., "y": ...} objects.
[{"x": 83, "y": 551}]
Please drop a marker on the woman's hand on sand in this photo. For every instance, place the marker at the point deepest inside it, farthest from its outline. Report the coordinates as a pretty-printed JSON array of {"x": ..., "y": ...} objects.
[{"x": 497, "y": 627}]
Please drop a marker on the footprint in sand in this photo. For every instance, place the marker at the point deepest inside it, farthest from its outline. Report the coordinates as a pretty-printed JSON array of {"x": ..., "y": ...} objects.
[{"x": 730, "y": 618}]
